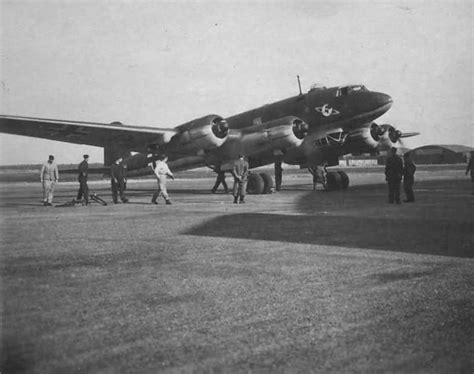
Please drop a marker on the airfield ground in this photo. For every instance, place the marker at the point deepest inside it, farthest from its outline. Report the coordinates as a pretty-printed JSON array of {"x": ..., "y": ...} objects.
[{"x": 297, "y": 281}]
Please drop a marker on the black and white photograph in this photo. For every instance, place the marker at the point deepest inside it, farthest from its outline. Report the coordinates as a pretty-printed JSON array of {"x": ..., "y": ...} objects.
[{"x": 193, "y": 186}]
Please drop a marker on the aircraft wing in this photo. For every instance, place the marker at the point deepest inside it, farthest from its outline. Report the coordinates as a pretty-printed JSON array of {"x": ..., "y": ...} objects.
[{"x": 90, "y": 133}]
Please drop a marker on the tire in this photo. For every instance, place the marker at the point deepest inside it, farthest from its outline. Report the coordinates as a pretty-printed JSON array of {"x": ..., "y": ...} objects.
[
  {"x": 267, "y": 183},
  {"x": 255, "y": 184},
  {"x": 334, "y": 181},
  {"x": 344, "y": 180}
]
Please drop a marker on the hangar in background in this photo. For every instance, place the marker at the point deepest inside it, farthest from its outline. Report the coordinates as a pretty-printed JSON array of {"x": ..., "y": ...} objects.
[
  {"x": 428, "y": 154},
  {"x": 441, "y": 154}
]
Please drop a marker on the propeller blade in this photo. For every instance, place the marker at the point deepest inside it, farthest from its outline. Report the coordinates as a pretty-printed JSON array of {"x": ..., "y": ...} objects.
[{"x": 408, "y": 134}]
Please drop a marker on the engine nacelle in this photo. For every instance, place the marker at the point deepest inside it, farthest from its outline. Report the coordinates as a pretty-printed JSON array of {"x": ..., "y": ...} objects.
[
  {"x": 364, "y": 139},
  {"x": 281, "y": 134},
  {"x": 140, "y": 160},
  {"x": 202, "y": 134}
]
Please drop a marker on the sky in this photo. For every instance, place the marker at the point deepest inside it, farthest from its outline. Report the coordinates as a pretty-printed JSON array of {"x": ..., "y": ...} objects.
[{"x": 160, "y": 64}]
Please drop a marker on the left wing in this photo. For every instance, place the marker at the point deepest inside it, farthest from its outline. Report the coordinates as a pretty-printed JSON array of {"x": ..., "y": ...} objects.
[{"x": 96, "y": 134}]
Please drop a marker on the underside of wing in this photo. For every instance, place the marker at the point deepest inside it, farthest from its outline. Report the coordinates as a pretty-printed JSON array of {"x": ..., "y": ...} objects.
[{"x": 95, "y": 134}]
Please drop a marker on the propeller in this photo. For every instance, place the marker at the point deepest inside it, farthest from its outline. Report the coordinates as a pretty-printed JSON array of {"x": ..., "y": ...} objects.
[
  {"x": 394, "y": 135},
  {"x": 300, "y": 129},
  {"x": 220, "y": 128}
]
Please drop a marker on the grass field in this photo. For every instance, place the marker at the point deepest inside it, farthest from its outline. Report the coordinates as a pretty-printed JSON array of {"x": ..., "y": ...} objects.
[{"x": 298, "y": 281}]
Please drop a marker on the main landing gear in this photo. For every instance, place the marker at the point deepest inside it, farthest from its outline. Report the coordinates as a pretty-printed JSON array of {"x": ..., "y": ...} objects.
[
  {"x": 336, "y": 180},
  {"x": 259, "y": 183}
]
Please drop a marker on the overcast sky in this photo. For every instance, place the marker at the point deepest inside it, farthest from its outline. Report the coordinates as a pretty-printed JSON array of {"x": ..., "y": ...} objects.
[{"x": 160, "y": 64}]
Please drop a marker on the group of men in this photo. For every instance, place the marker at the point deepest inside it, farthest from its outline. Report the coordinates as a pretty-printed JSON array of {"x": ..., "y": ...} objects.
[
  {"x": 49, "y": 176},
  {"x": 395, "y": 171}
]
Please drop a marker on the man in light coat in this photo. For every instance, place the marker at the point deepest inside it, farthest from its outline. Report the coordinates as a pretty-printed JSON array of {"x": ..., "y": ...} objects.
[
  {"x": 49, "y": 176},
  {"x": 162, "y": 173}
]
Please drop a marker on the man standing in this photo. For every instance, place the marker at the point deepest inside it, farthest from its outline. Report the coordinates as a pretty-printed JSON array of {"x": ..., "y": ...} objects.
[
  {"x": 49, "y": 176},
  {"x": 240, "y": 172},
  {"x": 162, "y": 172},
  {"x": 220, "y": 179},
  {"x": 278, "y": 174},
  {"x": 409, "y": 169},
  {"x": 393, "y": 176},
  {"x": 118, "y": 173},
  {"x": 82, "y": 178},
  {"x": 470, "y": 168}
]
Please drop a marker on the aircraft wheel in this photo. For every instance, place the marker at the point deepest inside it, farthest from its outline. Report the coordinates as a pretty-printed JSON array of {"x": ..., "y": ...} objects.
[
  {"x": 255, "y": 184},
  {"x": 267, "y": 182},
  {"x": 334, "y": 181},
  {"x": 344, "y": 180}
]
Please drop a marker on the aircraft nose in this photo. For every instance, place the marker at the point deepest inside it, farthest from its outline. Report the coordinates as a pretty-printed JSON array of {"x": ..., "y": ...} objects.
[{"x": 382, "y": 102}]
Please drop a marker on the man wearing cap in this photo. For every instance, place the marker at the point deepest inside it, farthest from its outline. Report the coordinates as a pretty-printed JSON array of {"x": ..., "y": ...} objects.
[
  {"x": 118, "y": 173},
  {"x": 240, "y": 172},
  {"x": 49, "y": 176},
  {"x": 82, "y": 178},
  {"x": 393, "y": 176}
]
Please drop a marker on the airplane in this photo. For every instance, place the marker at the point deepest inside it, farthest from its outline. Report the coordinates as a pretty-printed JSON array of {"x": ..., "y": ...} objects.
[{"x": 308, "y": 130}]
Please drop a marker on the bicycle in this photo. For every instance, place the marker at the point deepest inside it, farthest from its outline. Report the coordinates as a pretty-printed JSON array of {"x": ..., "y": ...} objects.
[{"x": 92, "y": 197}]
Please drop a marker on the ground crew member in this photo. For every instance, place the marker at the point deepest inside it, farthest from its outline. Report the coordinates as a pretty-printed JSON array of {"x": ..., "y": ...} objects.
[
  {"x": 409, "y": 169},
  {"x": 49, "y": 176},
  {"x": 278, "y": 174},
  {"x": 82, "y": 178},
  {"x": 220, "y": 180},
  {"x": 118, "y": 173},
  {"x": 162, "y": 172},
  {"x": 470, "y": 168},
  {"x": 393, "y": 176},
  {"x": 240, "y": 172}
]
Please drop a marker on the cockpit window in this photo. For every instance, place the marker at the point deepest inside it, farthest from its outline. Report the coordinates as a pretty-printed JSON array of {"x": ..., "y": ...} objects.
[{"x": 348, "y": 90}]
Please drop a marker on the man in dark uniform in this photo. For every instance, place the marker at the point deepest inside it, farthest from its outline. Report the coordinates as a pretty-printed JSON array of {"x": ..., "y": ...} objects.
[
  {"x": 220, "y": 179},
  {"x": 470, "y": 168},
  {"x": 118, "y": 173},
  {"x": 240, "y": 172},
  {"x": 82, "y": 178},
  {"x": 393, "y": 176},
  {"x": 409, "y": 169},
  {"x": 278, "y": 174}
]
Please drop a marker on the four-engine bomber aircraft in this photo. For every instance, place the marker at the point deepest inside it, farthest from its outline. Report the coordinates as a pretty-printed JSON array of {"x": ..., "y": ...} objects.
[{"x": 306, "y": 130}]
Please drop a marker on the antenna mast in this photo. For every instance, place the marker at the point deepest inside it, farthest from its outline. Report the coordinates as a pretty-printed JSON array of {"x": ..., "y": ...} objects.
[{"x": 299, "y": 84}]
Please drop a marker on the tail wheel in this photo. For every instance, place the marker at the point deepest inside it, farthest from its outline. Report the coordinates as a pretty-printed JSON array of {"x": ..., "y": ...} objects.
[
  {"x": 344, "y": 180},
  {"x": 255, "y": 184},
  {"x": 267, "y": 182}
]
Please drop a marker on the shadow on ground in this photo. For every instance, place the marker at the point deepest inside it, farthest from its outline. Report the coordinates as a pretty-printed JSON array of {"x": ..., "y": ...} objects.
[{"x": 390, "y": 234}]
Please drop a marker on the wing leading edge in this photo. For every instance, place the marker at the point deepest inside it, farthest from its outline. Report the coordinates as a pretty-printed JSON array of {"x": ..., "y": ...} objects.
[{"x": 90, "y": 133}]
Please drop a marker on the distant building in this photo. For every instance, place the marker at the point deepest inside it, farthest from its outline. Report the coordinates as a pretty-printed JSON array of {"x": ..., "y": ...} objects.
[{"x": 440, "y": 154}]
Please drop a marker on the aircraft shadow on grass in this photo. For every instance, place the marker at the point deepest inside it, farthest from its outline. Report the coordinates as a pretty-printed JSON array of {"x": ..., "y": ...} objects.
[
  {"x": 389, "y": 234},
  {"x": 346, "y": 225}
]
